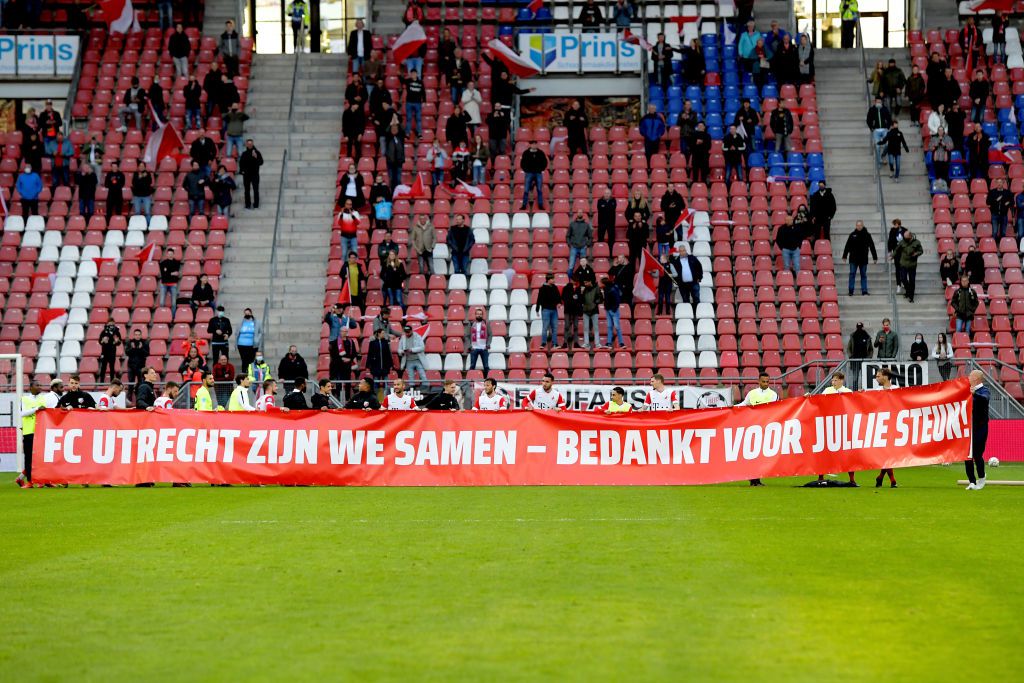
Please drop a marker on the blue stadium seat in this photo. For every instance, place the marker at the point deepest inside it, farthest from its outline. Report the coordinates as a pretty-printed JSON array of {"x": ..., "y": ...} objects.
[
  {"x": 693, "y": 92},
  {"x": 756, "y": 160}
]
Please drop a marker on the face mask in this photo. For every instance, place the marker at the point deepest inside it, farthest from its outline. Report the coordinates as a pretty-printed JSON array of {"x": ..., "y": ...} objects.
[
  {"x": 248, "y": 316},
  {"x": 259, "y": 359},
  {"x": 479, "y": 318},
  {"x": 220, "y": 314}
]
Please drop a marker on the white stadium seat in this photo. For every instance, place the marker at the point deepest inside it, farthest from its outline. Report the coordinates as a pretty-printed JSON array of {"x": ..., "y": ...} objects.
[
  {"x": 48, "y": 349},
  {"x": 432, "y": 361},
  {"x": 63, "y": 284},
  {"x": 453, "y": 361},
  {"x": 478, "y": 282},
  {"x": 457, "y": 282},
  {"x": 481, "y": 221},
  {"x": 705, "y": 310},
  {"x": 69, "y": 252},
  {"x": 70, "y": 349},
  {"x": 498, "y": 296},
  {"x": 685, "y": 343},
  {"x": 110, "y": 251},
  {"x": 520, "y": 296},
  {"x": 499, "y": 221},
  {"x": 37, "y": 223},
  {"x": 59, "y": 300},
  {"x": 158, "y": 224},
  {"x": 84, "y": 284},
  {"x": 134, "y": 238},
  {"x": 705, "y": 326},
  {"x": 708, "y": 359},
  {"x": 78, "y": 315},
  {"x": 76, "y": 331},
  {"x": 707, "y": 342},
  {"x": 80, "y": 300},
  {"x": 137, "y": 222},
  {"x": 498, "y": 314},
  {"x": 498, "y": 281},
  {"x": 482, "y": 235},
  {"x": 14, "y": 223},
  {"x": 49, "y": 254},
  {"x": 51, "y": 238},
  {"x": 54, "y": 331},
  {"x": 34, "y": 240},
  {"x": 541, "y": 221},
  {"x": 46, "y": 365},
  {"x": 90, "y": 252},
  {"x": 518, "y": 328},
  {"x": 477, "y": 297},
  {"x": 518, "y": 312},
  {"x": 498, "y": 345},
  {"x": 479, "y": 266},
  {"x": 684, "y": 326},
  {"x": 68, "y": 365},
  {"x": 517, "y": 345},
  {"x": 496, "y": 360},
  {"x": 686, "y": 359},
  {"x": 520, "y": 220}
]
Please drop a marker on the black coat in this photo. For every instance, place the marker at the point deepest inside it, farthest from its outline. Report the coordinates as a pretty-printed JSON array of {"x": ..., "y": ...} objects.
[
  {"x": 378, "y": 359},
  {"x": 823, "y": 206},
  {"x": 250, "y": 161},
  {"x": 292, "y": 368},
  {"x": 295, "y": 400},
  {"x": 858, "y": 245},
  {"x": 145, "y": 396}
]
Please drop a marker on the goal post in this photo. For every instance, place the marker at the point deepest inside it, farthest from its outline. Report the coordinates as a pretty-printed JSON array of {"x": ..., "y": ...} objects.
[{"x": 12, "y": 459}]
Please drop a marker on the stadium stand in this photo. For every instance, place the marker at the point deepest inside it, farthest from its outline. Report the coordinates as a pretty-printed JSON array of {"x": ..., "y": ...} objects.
[
  {"x": 963, "y": 218},
  {"x": 753, "y": 314},
  {"x": 93, "y": 269}
]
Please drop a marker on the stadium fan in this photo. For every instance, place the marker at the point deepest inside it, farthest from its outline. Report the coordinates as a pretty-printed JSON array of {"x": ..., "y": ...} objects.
[
  {"x": 757, "y": 396},
  {"x": 107, "y": 400},
  {"x": 398, "y": 399},
  {"x": 490, "y": 399},
  {"x": 546, "y": 397},
  {"x": 239, "y": 401},
  {"x": 660, "y": 397},
  {"x": 883, "y": 376},
  {"x": 617, "y": 404}
]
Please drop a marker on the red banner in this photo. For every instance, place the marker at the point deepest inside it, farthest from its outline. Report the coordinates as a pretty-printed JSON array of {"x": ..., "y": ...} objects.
[{"x": 801, "y": 436}]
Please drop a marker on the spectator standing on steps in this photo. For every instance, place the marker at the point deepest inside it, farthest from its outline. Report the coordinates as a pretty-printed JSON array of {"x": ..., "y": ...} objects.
[
  {"x": 591, "y": 299},
  {"x": 460, "y": 242},
  {"x": 1000, "y": 201},
  {"x": 235, "y": 120},
  {"x": 894, "y": 81},
  {"x": 136, "y": 351},
  {"x": 250, "y": 337},
  {"x": 360, "y": 44},
  {"x": 353, "y": 124},
  {"x": 414, "y": 98},
  {"x": 788, "y": 238},
  {"x": 894, "y": 144},
  {"x": 858, "y": 349},
  {"x": 548, "y": 299},
  {"x": 29, "y": 186},
  {"x": 193, "y": 93},
  {"x": 142, "y": 193},
  {"x": 700, "y": 153},
  {"x": 291, "y": 367},
  {"x": 533, "y": 163},
  {"x": 219, "y": 329},
  {"x": 823, "y": 210},
  {"x": 781, "y": 123},
  {"x": 394, "y": 155},
  {"x": 170, "y": 275},
  {"x": 606, "y": 214},
  {"x": 572, "y": 304},
  {"x": 86, "y": 181},
  {"x": 941, "y": 146},
  {"x": 652, "y": 128},
  {"x": 422, "y": 240},
  {"x": 978, "y": 144},
  {"x": 114, "y": 182},
  {"x": 964, "y": 304},
  {"x": 581, "y": 238},
  {"x": 879, "y": 120},
  {"x": 479, "y": 338},
  {"x": 179, "y": 47},
  {"x": 858, "y": 245},
  {"x": 249, "y": 165},
  {"x": 887, "y": 341},
  {"x": 194, "y": 185},
  {"x": 908, "y": 251},
  {"x": 229, "y": 48},
  {"x": 411, "y": 350},
  {"x": 576, "y": 124}
]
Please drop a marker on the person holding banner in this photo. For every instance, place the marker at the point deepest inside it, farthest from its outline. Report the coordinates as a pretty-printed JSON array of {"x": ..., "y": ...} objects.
[
  {"x": 883, "y": 378},
  {"x": 265, "y": 403},
  {"x": 365, "y": 398},
  {"x": 489, "y": 398},
  {"x": 979, "y": 430},
  {"x": 617, "y": 404},
  {"x": 203, "y": 398},
  {"x": 239, "y": 401},
  {"x": 838, "y": 386},
  {"x": 31, "y": 403},
  {"x": 107, "y": 399},
  {"x": 660, "y": 397},
  {"x": 546, "y": 397},
  {"x": 758, "y": 396},
  {"x": 398, "y": 399},
  {"x": 166, "y": 401}
]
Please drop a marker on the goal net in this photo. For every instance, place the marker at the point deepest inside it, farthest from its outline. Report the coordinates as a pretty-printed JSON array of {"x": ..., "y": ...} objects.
[{"x": 12, "y": 370}]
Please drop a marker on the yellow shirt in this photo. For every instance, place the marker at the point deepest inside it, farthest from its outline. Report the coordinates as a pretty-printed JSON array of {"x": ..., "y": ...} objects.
[
  {"x": 204, "y": 401},
  {"x": 833, "y": 390},
  {"x": 760, "y": 396},
  {"x": 624, "y": 407},
  {"x": 28, "y": 402}
]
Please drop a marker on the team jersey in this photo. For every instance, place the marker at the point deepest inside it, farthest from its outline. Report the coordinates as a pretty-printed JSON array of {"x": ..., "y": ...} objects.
[
  {"x": 164, "y": 402},
  {"x": 609, "y": 407},
  {"x": 892, "y": 385},
  {"x": 666, "y": 399},
  {"x": 395, "y": 402},
  {"x": 265, "y": 404},
  {"x": 840, "y": 390},
  {"x": 105, "y": 402},
  {"x": 495, "y": 401},
  {"x": 545, "y": 400}
]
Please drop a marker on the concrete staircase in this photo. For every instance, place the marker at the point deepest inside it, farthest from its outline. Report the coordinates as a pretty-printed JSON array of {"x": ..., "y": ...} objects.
[
  {"x": 307, "y": 200},
  {"x": 849, "y": 168},
  {"x": 387, "y": 17},
  {"x": 216, "y": 12}
]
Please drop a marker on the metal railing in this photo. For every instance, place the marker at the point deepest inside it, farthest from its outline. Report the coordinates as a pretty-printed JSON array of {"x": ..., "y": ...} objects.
[{"x": 880, "y": 194}]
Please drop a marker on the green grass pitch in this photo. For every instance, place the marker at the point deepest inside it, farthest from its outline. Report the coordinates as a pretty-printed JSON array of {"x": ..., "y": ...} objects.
[{"x": 722, "y": 583}]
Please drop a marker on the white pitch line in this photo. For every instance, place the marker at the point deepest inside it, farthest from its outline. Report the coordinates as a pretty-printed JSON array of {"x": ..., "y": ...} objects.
[{"x": 557, "y": 520}]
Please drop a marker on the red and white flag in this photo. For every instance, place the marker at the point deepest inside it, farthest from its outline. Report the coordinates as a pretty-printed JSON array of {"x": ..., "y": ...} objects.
[
  {"x": 464, "y": 189},
  {"x": 119, "y": 15},
  {"x": 51, "y": 315},
  {"x": 682, "y": 21},
  {"x": 685, "y": 225},
  {"x": 994, "y": 5},
  {"x": 407, "y": 44},
  {"x": 535, "y": 5},
  {"x": 3, "y": 201},
  {"x": 634, "y": 39},
  {"x": 147, "y": 253},
  {"x": 516, "y": 63},
  {"x": 416, "y": 191},
  {"x": 422, "y": 330},
  {"x": 163, "y": 142},
  {"x": 645, "y": 282},
  {"x": 345, "y": 296}
]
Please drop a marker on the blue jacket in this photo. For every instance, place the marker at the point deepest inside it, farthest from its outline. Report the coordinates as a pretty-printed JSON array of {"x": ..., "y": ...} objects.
[
  {"x": 652, "y": 127},
  {"x": 29, "y": 185}
]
